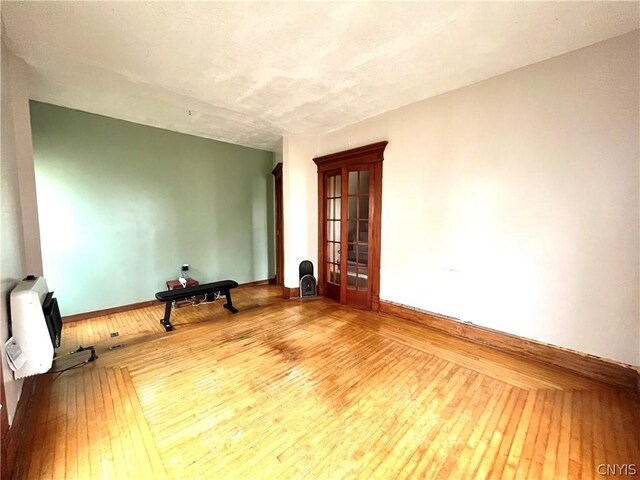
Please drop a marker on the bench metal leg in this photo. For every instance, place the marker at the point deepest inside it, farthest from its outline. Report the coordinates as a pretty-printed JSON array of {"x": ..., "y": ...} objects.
[
  {"x": 229, "y": 304},
  {"x": 166, "y": 321}
]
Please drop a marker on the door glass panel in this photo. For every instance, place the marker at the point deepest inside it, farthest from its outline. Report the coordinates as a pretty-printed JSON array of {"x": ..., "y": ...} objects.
[
  {"x": 353, "y": 204},
  {"x": 363, "y": 206},
  {"x": 337, "y": 213},
  {"x": 351, "y": 266},
  {"x": 363, "y": 231},
  {"x": 329, "y": 186},
  {"x": 351, "y": 255},
  {"x": 336, "y": 252},
  {"x": 363, "y": 256},
  {"x": 330, "y": 237},
  {"x": 362, "y": 279},
  {"x": 330, "y": 252},
  {"x": 336, "y": 274},
  {"x": 351, "y": 278},
  {"x": 330, "y": 209},
  {"x": 352, "y": 234},
  {"x": 364, "y": 182},
  {"x": 353, "y": 183},
  {"x": 336, "y": 231}
]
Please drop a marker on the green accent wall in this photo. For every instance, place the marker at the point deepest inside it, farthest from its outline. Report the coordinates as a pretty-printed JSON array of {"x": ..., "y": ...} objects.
[{"x": 122, "y": 206}]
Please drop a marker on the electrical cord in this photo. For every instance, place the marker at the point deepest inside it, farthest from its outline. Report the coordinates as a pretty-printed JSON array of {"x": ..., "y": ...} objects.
[{"x": 72, "y": 367}]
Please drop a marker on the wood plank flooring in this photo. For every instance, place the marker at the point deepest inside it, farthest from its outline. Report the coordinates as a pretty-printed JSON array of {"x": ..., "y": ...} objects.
[{"x": 310, "y": 389}]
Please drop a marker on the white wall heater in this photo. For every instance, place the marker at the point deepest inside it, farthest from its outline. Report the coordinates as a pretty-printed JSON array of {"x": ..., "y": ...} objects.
[{"x": 36, "y": 325}]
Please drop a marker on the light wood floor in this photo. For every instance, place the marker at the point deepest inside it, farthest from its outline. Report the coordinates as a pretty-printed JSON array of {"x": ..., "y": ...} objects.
[{"x": 310, "y": 389}]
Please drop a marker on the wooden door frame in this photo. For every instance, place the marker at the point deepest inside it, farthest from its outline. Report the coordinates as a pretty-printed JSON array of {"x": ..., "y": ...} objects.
[
  {"x": 279, "y": 224},
  {"x": 368, "y": 154}
]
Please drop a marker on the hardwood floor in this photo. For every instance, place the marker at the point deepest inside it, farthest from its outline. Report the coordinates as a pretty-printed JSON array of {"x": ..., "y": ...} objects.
[{"x": 310, "y": 389}]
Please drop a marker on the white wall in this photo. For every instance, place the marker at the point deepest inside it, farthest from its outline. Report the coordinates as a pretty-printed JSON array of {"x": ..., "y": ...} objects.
[
  {"x": 512, "y": 203},
  {"x": 20, "y": 239},
  {"x": 299, "y": 187}
]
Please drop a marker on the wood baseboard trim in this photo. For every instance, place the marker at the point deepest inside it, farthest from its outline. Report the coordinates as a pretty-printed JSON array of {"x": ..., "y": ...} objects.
[
  {"x": 17, "y": 436},
  {"x": 269, "y": 281},
  {"x": 597, "y": 368},
  {"x": 288, "y": 293},
  {"x": 134, "y": 306},
  {"x": 108, "y": 311}
]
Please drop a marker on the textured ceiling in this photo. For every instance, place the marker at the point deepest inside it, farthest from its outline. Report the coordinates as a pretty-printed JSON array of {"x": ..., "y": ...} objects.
[{"x": 248, "y": 73}]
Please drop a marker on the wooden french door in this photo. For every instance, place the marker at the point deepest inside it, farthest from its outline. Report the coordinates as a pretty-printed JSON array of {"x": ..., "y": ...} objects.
[
  {"x": 349, "y": 200},
  {"x": 357, "y": 223},
  {"x": 333, "y": 234}
]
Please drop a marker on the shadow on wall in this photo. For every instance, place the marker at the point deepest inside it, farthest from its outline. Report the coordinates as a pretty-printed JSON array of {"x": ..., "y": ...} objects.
[{"x": 250, "y": 233}]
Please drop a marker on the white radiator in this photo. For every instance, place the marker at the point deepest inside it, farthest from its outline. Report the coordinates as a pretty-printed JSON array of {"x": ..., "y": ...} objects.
[{"x": 35, "y": 324}]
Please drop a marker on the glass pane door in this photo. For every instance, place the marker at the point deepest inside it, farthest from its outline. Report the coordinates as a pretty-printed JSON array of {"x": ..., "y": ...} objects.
[
  {"x": 357, "y": 265},
  {"x": 349, "y": 205},
  {"x": 333, "y": 217}
]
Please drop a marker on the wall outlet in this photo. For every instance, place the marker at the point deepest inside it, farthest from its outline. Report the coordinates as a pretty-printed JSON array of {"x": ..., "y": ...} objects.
[{"x": 185, "y": 267}]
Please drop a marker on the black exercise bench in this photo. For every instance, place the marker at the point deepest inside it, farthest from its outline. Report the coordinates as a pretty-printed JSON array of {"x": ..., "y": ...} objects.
[{"x": 210, "y": 291}]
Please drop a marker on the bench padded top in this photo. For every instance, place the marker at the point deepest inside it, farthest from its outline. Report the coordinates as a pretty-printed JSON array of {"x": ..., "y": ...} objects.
[{"x": 180, "y": 293}]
